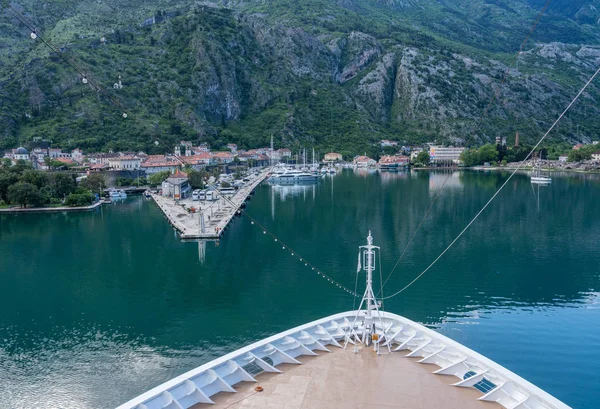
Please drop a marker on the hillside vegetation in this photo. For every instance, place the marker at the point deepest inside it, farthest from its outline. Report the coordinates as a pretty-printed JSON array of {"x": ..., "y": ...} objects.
[{"x": 336, "y": 74}]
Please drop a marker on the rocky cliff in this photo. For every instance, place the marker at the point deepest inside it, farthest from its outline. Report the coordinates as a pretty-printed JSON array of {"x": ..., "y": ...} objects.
[{"x": 335, "y": 74}]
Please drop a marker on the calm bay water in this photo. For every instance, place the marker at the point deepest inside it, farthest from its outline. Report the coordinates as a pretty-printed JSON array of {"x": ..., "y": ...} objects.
[{"x": 99, "y": 307}]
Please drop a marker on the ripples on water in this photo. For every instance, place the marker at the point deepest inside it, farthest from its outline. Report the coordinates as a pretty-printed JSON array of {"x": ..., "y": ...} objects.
[{"x": 108, "y": 304}]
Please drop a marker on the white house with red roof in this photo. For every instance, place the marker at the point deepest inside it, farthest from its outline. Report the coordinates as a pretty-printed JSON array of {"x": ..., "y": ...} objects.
[
  {"x": 392, "y": 162},
  {"x": 223, "y": 157},
  {"x": 176, "y": 186},
  {"x": 199, "y": 160},
  {"x": 364, "y": 162}
]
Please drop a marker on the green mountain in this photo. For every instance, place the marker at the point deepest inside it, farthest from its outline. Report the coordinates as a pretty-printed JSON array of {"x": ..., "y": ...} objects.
[{"x": 336, "y": 74}]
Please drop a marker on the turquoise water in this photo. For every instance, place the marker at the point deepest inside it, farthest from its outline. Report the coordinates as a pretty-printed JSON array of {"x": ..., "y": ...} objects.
[{"x": 99, "y": 307}]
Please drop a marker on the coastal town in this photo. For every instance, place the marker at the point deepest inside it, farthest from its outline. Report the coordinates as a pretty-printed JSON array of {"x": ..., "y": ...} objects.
[{"x": 200, "y": 190}]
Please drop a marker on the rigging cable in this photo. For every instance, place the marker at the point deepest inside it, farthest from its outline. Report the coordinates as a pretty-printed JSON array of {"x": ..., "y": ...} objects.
[
  {"x": 495, "y": 95},
  {"x": 500, "y": 188}
]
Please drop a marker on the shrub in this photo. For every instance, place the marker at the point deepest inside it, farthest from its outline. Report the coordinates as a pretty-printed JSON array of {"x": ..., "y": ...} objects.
[{"x": 79, "y": 199}]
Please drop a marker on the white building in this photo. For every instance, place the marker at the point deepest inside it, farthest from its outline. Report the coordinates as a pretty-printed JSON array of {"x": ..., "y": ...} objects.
[
  {"x": 364, "y": 162},
  {"x": 441, "y": 154},
  {"x": 125, "y": 163},
  {"x": 176, "y": 186},
  {"x": 596, "y": 155},
  {"x": 563, "y": 158},
  {"x": 77, "y": 155},
  {"x": 333, "y": 157},
  {"x": 414, "y": 153},
  {"x": 155, "y": 167},
  {"x": 55, "y": 153},
  {"x": 20, "y": 154},
  {"x": 385, "y": 143}
]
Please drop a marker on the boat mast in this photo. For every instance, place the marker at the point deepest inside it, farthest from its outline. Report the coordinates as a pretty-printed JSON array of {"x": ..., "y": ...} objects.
[
  {"x": 369, "y": 336},
  {"x": 368, "y": 254}
]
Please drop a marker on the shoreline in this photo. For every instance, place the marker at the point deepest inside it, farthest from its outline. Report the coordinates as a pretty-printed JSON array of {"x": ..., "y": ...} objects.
[
  {"x": 53, "y": 209},
  {"x": 530, "y": 169},
  {"x": 510, "y": 169}
]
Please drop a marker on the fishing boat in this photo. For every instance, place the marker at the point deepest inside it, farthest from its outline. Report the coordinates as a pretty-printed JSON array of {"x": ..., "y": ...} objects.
[{"x": 364, "y": 358}]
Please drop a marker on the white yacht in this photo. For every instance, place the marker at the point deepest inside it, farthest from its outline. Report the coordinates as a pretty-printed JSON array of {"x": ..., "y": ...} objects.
[
  {"x": 292, "y": 176},
  {"x": 538, "y": 178},
  {"x": 117, "y": 194},
  {"x": 367, "y": 358}
]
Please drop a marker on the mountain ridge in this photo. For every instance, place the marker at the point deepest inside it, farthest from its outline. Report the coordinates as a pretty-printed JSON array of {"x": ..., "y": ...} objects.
[{"x": 335, "y": 74}]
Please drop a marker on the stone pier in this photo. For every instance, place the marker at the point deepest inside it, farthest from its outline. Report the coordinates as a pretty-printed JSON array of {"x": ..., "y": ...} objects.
[{"x": 217, "y": 214}]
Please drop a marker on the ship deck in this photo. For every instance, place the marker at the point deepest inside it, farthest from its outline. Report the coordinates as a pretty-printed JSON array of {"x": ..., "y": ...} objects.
[{"x": 345, "y": 379}]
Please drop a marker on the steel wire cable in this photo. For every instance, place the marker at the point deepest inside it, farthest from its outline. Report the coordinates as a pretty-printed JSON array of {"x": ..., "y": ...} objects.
[
  {"x": 500, "y": 188},
  {"x": 85, "y": 77},
  {"x": 495, "y": 94}
]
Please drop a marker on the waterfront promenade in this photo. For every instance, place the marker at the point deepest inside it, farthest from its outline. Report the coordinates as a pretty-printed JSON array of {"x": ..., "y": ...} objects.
[
  {"x": 53, "y": 209},
  {"x": 210, "y": 217}
]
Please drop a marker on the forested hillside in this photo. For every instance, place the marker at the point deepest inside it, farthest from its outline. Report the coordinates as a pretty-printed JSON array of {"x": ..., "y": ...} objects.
[{"x": 336, "y": 74}]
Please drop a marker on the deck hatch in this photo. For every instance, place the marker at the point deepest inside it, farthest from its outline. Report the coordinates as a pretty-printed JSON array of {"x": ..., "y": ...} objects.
[
  {"x": 469, "y": 374},
  {"x": 484, "y": 385},
  {"x": 252, "y": 368}
]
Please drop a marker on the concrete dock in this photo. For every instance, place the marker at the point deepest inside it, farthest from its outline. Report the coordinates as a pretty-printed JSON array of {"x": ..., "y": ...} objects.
[{"x": 216, "y": 214}]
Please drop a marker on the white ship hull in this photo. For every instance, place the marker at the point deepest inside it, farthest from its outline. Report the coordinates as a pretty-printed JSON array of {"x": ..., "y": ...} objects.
[
  {"x": 541, "y": 179},
  {"x": 485, "y": 379}
]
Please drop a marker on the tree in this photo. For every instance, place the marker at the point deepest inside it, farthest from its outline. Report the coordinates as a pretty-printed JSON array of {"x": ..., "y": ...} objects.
[
  {"x": 79, "y": 199},
  {"x": 7, "y": 179},
  {"x": 140, "y": 181},
  {"x": 196, "y": 179},
  {"x": 24, "y": 193},
  {"x": 56, "y": 164},
  {"x": 487, "y": 153},
  {"x": 124, "y": 181},
  {"x": 35, "y": 177},
  {"x": 157, "y": 178},
  {"x": 423, "y": 158},
  {"x": 578, "y": 155},
  {"x": 94, "y": 182},
  {"x": 63, "y": 184},
  {"x": 20, "y": 166}
]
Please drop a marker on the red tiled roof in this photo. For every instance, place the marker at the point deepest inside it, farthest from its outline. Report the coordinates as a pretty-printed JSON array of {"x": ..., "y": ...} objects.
[
  {"x": 223, "y": 154},
  {"x": 362, "y": 159},
  {"x": 179, "y": 175}
]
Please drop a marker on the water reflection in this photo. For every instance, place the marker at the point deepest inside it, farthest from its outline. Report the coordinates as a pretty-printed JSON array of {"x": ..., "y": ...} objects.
[{"x": 445, "y": 179}]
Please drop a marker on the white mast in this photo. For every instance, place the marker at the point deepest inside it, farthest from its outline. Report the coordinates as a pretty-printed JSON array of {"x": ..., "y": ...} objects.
[
  {"x": 271, "y": 156},
  {"x": 370, "y": 335},
  {"x": 369, "y": 261}
]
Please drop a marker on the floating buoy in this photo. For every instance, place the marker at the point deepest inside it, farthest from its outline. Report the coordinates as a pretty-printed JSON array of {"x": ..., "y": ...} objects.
[
  {"x": 124, "y": 115},
  {"x": 33, "y": 36}
]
